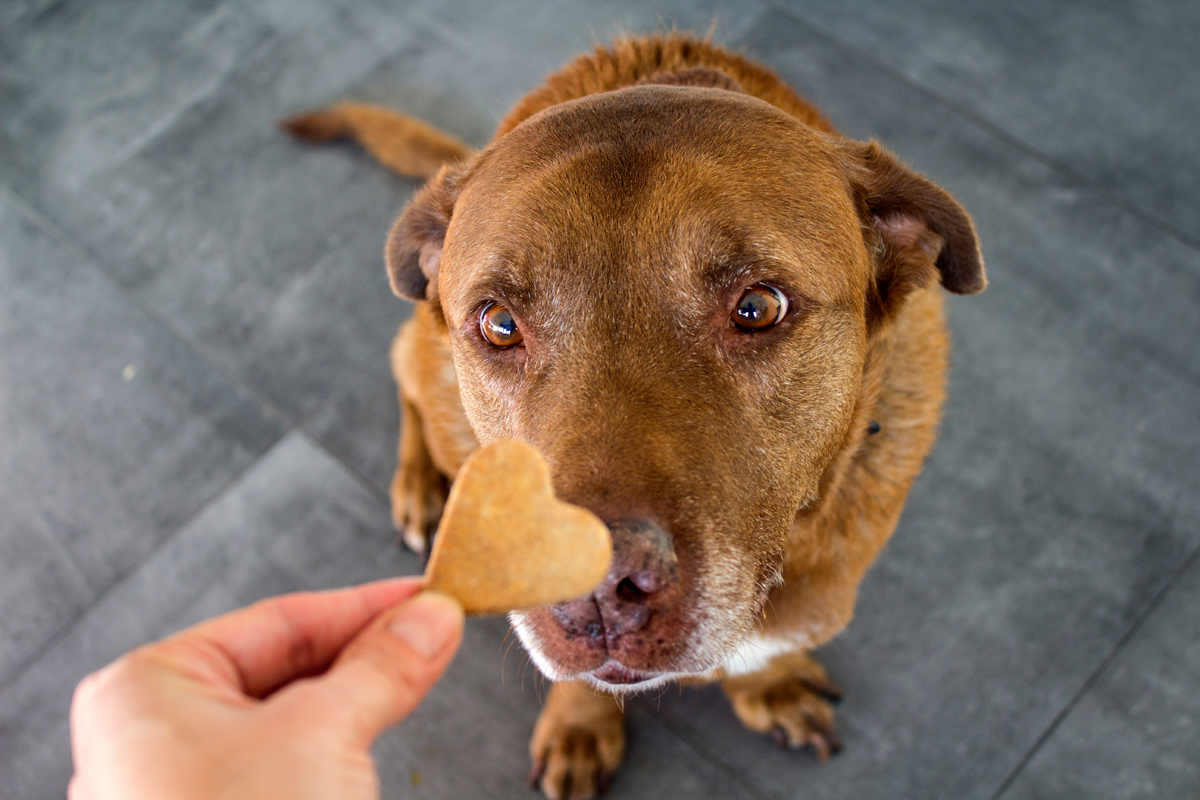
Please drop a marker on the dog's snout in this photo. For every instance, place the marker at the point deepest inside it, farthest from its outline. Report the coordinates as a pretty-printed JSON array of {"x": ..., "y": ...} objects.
[
  {"x": 644, "y": 560},
  {"x": 643, "y": 581}
]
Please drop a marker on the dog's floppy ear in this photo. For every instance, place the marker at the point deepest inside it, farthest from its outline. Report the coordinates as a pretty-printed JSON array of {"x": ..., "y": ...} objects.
[
  {"x": 414, "y": 247},
  {"x": 918, "y": 233}
]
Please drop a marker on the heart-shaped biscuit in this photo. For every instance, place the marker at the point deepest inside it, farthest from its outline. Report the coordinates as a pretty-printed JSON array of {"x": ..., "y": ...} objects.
[{"x": 506, "y": 542}]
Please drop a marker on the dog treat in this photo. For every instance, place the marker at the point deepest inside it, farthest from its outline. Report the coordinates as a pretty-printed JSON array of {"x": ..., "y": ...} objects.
[{"x": 506, "y": 542}]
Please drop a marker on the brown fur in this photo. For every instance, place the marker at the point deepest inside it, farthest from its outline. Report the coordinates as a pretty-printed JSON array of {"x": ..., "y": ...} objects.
[{"x": 592, "y": 217}]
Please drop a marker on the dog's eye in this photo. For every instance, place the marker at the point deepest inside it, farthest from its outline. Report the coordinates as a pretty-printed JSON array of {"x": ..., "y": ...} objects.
[
  {"x": 760, "y": 307},
  {"x": 498, "y": 327}
]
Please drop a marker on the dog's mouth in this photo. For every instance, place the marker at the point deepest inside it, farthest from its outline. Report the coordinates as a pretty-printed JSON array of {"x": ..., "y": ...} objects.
[
  {"x": 573, "y": 643},
  {"x": 614, "y": 673}
]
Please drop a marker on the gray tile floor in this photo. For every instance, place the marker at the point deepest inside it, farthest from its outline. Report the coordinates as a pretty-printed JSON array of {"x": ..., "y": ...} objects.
[{"x": 195, "y": 410}]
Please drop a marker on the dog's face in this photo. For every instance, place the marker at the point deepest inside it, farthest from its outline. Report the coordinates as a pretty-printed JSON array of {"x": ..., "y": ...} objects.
[{"x": 669, "y": 292}]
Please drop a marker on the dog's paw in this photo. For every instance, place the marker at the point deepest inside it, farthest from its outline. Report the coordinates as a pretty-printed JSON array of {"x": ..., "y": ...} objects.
[
  {"x": 577, "y": 762},
  {"x": 790, "y": 699},
  {"x": 418, "y": 495},
  {"x": 577, "y": 744}
]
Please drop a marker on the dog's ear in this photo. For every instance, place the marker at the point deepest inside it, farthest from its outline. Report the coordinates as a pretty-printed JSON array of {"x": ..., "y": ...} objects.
[
  {"x": 414, "y": 247},
  {"x": 916, "y": 231}
]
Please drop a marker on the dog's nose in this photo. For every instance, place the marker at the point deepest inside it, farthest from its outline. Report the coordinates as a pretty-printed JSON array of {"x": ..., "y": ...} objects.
[{"x": 642, "y": 580}]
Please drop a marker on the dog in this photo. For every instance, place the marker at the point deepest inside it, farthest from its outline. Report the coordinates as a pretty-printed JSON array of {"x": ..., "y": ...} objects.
[{"x": 720, "y": 322}]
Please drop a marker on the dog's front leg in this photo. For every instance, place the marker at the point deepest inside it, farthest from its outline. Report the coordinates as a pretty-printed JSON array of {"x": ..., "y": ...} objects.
[
  {"x": 578, "y": 742},
  {"x": 419, "y": 489},
  {"x": 790, "y": 699}
]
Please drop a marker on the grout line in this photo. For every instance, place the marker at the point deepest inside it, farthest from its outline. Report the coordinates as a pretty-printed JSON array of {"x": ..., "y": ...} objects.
[
  {"x": 304, "y": 426},
  {"x": 360, "y": 374},
  {"x": 1134, "y": 627},
  {"x": 370, "y": 486},
  {"x": 81, "y": 617},
  {"x": 1107, "y": 193}
]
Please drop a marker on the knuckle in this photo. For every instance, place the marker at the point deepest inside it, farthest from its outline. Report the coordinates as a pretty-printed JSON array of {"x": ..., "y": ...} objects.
[{"x": 103, "y": 682}]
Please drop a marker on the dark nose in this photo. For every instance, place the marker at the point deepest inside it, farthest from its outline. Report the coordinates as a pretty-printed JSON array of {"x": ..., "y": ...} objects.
[{"x": 643, "y": 580}]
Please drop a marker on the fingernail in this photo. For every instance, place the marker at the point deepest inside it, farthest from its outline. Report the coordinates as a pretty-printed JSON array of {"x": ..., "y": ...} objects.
[{"x": 427, "y": 622}]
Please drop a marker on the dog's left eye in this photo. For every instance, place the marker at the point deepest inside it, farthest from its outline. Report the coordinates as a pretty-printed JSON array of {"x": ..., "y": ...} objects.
[
  {"x": 760, "y": 307},
  {"x": 498, "y": 327}
]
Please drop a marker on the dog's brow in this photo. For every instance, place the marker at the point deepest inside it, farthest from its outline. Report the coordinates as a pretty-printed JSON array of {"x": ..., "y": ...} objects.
[
  {"x": 500, "y": 279},
  {"x": 730, "y": 260},
  {"x": 723, "y": 274},
  {"x": 718, "y": 250}
]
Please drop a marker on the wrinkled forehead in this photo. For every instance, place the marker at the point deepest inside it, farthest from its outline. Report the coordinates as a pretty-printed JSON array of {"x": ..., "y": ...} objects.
[{"x": 678, "y": 185}]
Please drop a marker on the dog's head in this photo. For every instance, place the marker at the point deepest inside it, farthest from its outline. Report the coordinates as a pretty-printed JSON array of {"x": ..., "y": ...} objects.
[{"x": 669, "y": 292}]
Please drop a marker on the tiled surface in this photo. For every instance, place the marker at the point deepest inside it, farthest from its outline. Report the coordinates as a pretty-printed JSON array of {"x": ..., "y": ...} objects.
[
  {"x": 113, "y": 432},
  {"x": 1021, "y": 635},
  {"x": 1107, "y": 88},
  {"x": 1135, "y": 733},
  {"x": 177, "y": 181}
]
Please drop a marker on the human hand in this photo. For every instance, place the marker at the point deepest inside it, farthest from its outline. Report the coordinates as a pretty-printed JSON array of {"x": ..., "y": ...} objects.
[{"x": 279, "y": 700}]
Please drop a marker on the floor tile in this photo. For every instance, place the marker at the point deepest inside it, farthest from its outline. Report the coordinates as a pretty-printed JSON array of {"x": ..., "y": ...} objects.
[
  {"x": 265, "y": 251},
  {"x": 115, "y": 432},
  {"x": 1136, "y": 732},
  {"x": 84, "y": 81},
  {"x": 1001, "y": 591},
  {"x": 1106, "y": 88}
]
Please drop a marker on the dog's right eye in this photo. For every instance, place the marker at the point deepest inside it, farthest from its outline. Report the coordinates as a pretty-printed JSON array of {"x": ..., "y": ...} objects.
[
  {"x": 497, "y": 326},
  {"x": 760, "y": 307}
]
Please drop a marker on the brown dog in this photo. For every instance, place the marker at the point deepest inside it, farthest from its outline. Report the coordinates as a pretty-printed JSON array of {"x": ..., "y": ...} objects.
[{"x": 719, "y": 320}]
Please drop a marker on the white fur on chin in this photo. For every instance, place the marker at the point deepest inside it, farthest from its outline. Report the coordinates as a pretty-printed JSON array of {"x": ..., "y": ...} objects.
[{"x": 751, "y": 655}]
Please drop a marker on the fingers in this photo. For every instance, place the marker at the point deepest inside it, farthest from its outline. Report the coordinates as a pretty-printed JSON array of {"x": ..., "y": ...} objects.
[
  {"x": 273, "y": 642},
  {"x": 384, "y": 673},
  {"x": 156, "y": 706}
]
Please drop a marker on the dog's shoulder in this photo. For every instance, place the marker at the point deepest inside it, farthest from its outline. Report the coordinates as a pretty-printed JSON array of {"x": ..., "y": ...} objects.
[{"x": 671, "y": 59}]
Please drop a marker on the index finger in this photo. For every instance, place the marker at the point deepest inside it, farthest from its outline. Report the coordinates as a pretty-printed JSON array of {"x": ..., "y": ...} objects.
[{"x": 275, "y": 641}]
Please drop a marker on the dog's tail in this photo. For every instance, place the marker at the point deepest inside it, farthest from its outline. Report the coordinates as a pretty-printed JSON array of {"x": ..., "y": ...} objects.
[{"x": 406, "y": 145}]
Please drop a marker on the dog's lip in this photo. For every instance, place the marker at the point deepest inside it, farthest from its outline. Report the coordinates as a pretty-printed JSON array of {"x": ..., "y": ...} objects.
[{"x": 615, "y": 672}]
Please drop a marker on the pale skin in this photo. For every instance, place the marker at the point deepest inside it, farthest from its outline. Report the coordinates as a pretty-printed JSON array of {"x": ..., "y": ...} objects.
[{"x": 282, "y": 699}]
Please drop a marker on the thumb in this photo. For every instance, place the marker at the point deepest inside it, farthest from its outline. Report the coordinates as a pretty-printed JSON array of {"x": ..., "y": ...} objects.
[{"x": 383, "y": 674}]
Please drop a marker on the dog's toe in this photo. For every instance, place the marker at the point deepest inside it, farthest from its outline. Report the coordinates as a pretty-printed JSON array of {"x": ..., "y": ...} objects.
[
  {"x": 576, "y": 749},
  {"x": 790, "y": 700},
  {"x": 411, "y": 530},
  {"x": 574, "y": 767},
  {"x": 413, "y": 537},
  {"x": 417, "y": 503}
]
